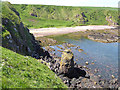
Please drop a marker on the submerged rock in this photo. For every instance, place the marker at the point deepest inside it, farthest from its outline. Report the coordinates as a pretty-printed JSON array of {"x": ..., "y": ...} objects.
[
  {"x": 80, "y": 50},
  {"x": 86, "y": 63}
]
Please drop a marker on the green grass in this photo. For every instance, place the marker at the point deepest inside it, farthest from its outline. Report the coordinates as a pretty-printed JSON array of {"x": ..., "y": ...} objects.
[
  {"x": 64, "y": 16},
  {"x": 33, "y": 22},
  {"x": 26, "y": 72}
]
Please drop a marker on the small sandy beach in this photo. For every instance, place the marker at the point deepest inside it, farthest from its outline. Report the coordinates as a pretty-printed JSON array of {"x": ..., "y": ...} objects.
[{"x": 55, "y": 31}]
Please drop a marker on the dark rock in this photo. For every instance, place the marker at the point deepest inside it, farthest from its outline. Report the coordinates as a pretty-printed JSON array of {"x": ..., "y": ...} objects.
[
  {"x": 53, "y": 61},
  {"x": 87, "y": 76}
]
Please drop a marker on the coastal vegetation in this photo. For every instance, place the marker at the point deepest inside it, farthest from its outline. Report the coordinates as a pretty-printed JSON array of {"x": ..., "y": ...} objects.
[
  {"x": 22, "y": 70},
  {"x": 43, "y": 16},
  {"x": 26, "y": 63}
]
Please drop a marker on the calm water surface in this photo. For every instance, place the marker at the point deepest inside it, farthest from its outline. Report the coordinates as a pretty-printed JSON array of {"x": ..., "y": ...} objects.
[{"x": 104, "y": 55}]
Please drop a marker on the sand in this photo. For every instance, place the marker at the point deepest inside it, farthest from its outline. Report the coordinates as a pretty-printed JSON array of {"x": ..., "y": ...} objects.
[{"x": 56, "y": 31}]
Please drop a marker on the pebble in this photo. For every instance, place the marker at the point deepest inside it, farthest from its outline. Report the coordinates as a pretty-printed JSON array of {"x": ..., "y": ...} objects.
[
  {"x": 95, "y": 70},
  {"x": 95, "y": 83},
  {"x": 76, "y": 59},
  {"x": 86, "y": 63},
  {"x": 80, "y": 50},
  {"x": 99, "y": 76},
  {"x": 92, "y": 63},
  {"x": 84, "y": 67},
  {"x": 112, "y": 76}
]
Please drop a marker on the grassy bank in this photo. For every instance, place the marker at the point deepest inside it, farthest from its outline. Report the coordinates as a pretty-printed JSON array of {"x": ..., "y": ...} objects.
[
  {"x": 39, "y": 16},
  {"x": 33, "y": 22},
  {"x": 26, "y": 72}
]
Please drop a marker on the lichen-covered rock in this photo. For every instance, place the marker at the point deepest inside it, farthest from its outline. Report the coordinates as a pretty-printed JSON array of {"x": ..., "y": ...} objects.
[{"x": 67, "y": 63}]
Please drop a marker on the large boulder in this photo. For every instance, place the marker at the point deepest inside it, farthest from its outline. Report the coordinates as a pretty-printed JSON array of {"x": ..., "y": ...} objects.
[{"x": 67, "y": 63}]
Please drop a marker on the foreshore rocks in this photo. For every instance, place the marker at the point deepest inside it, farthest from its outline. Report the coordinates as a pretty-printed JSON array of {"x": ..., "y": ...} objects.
[
  {"x": 46, "y": 41},
  {"x": 106, "y": 36},
  {"x": 74, "y": 75}
]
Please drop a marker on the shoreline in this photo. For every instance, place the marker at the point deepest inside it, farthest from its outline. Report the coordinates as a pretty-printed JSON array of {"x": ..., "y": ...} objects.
[
  {"x": 97, "y": 81},
  {"x": 79, "y": 79},
  {"x": 65, "y": 30}
]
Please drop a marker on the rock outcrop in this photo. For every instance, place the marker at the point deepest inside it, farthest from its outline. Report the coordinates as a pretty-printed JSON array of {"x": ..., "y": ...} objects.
[
  {"x": 67, "y": 63},
  {"x": 79, "y": 76},
  {"x": 105, "y": 37},
  {"x": 16, "y": 36}
]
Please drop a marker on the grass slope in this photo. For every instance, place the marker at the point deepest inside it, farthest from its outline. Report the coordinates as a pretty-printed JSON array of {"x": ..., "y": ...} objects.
[
  {"x": 26, "y": 72},
  {"x": 37, "y": 16}
]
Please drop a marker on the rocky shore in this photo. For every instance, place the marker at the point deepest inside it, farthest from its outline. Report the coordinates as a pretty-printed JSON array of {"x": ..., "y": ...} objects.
[
  {"x": 74, "y": 75},
  {"x": 104, "y": 36},
  {"x": 44, "y": 41},
  {"x": 108, "y": 36}
]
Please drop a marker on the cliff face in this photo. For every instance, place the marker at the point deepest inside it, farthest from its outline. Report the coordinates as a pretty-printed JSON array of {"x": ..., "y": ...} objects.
[{"x": 15, "y": 35}]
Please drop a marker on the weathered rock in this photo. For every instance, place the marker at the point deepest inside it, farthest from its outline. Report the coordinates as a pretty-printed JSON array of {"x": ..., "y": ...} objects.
[{"x": 67, "y": 63}]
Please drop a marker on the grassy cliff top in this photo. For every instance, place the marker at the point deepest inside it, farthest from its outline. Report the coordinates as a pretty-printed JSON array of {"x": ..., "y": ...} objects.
[
  {"x": 26, "y": 72},
  {"x": 39, "y": 16}
]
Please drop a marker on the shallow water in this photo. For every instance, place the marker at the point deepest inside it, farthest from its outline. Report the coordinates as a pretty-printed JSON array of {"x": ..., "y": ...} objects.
[{"x": 104, "y": 55}]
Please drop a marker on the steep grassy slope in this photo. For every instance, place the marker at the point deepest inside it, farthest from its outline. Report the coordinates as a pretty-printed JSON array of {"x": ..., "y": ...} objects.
[
  {"x": 15, "y": 35},
  {"x": 50, "y": 16},
  {"x": 26, "y": 72}
]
